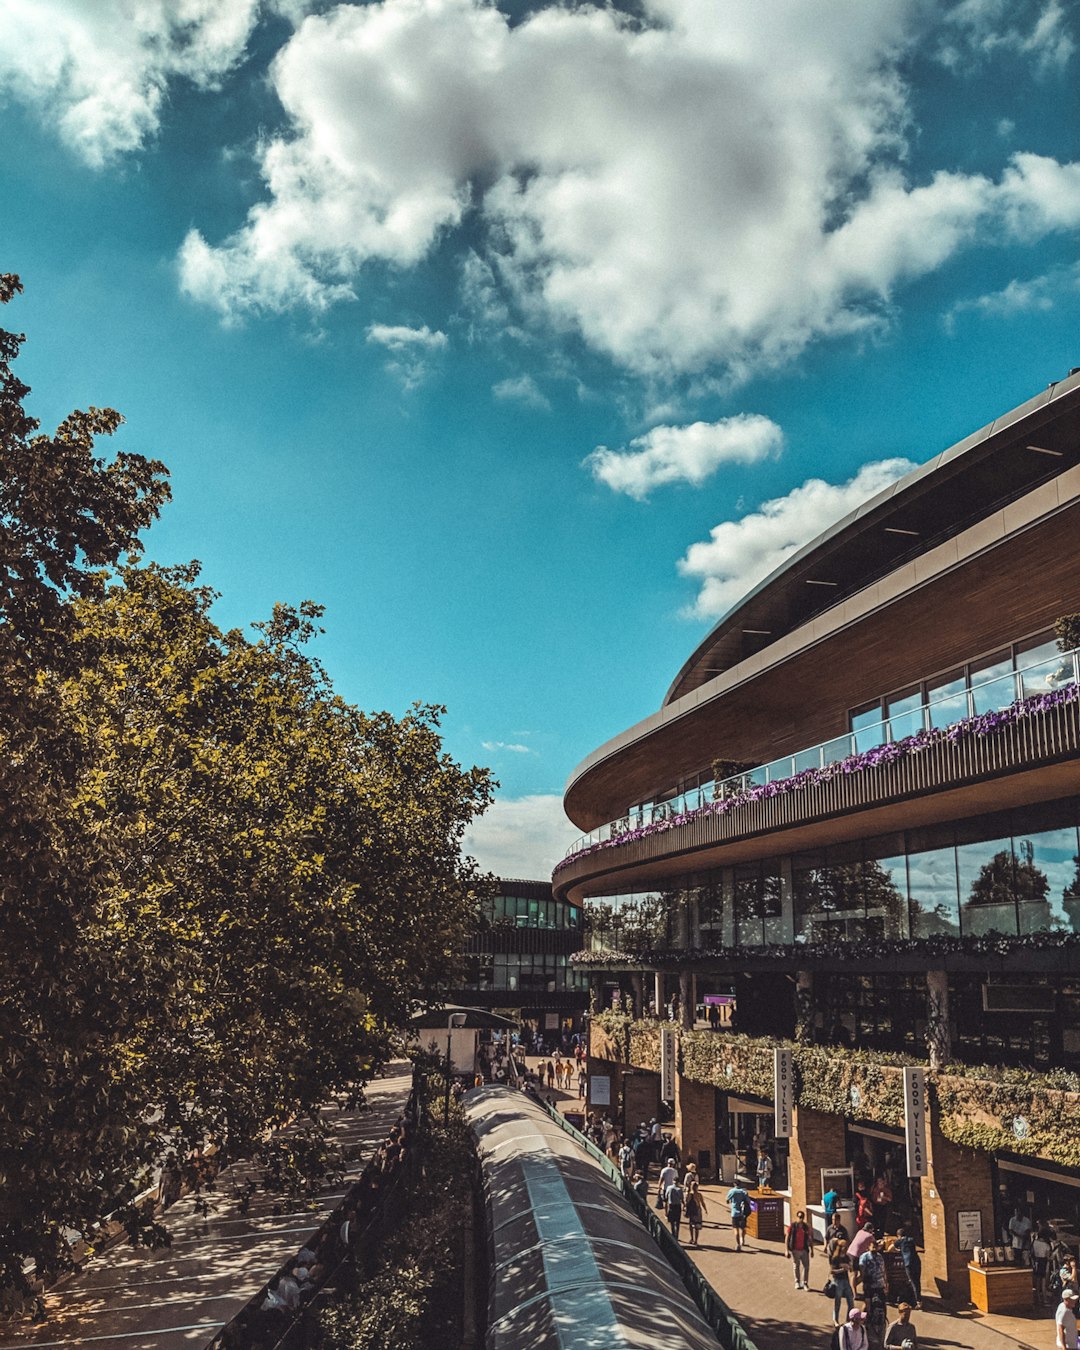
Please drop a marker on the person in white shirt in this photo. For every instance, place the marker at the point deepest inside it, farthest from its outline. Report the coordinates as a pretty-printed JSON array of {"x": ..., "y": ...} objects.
[
  {"x": 1065, "y": 1318},
  {"x": 668, "y": 1177},
  {"x": 852, "y": 1334},
  {"x": 1019, "y": 1228}
]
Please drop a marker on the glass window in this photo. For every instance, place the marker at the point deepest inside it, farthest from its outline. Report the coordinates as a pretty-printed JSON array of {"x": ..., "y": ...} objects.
[
  {"x": 1047, "y": 853},
  {"x": 947, "y": 699},
  {"x": 885, "y": 887},
  {"x": 993, "y": 684},
  {"x": 866, "y": 726},
  {"x": 758, "y": 904},
  {"x": 987, "y": 881},
  {"x": 1041, "y": 667},
  {"x": 932, "y": 885},
  {"x": 905, "y": 712},
  {"x": 814, "y": 918}
]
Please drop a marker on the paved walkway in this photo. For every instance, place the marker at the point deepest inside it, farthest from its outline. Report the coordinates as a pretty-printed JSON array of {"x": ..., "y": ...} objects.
[
  {"x": 758, "y": 1285},
  {"x": 182, "y": 1295}
]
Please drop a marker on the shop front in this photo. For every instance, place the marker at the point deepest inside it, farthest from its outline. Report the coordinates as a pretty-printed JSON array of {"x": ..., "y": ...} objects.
[
  {"x": 744, "y": 1133},
  {"x": 875, "y": 1152}
]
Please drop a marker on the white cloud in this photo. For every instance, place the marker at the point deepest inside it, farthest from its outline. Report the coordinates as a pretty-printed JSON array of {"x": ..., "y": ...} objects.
[
  {"x": 665, "y": 189},
  {"x": 513, "y": 746},
  {"x": 521, "y": 837},
  {"x": 740, "y": 553},
  {"x": 411, "y": 349},
  {"x": 1036, "y": 29},
  {"x": 686, "y": 454},
  {"x": 1035, "y": 295},
  {"x": 100, "y": 70},
  {"x": 521, "y": 389}
]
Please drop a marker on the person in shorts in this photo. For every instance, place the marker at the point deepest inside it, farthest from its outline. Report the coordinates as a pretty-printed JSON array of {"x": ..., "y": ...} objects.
[{"x": 739, "y": 1201}]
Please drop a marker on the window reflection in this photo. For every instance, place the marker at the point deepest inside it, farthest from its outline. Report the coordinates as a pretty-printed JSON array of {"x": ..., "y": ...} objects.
[
  {"x": 993, "y": 684},
  {"x": 988, "y": 881},
  {"x": 905, "y": 714},
  {"x": 932, "y": 887},
  {"x": 947, "y": 700}
]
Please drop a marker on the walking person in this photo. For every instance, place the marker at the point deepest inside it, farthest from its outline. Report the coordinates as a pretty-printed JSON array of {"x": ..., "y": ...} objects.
[
  {"x": 902, "y": 1334},
  {"x": 840, "y": 1277},
  {"x": 1065, "y": 1321},
  {"x": 738, "y": 1199},
  {"x": 800, "y": 1248},
  {"x": 674, "y": 1207},
  {"x": 695, "y": 1207},
  {"x": 1040, "y": 1263},
  {"x": 912, "y": 1262},
  {"x": 852, "y": 1335}
]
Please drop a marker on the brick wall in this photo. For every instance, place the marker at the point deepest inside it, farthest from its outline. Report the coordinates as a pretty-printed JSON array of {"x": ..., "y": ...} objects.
[
  {"x": 817, "y": 1141},
  {"x": 959, "y": 1178},
  {"x": 695, "y": 1122}
]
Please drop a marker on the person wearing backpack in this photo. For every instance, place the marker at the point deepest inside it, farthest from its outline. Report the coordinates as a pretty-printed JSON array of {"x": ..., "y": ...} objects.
[
  {"x": 800, "y": 1248},
  {"x": 852, "y": 1334},
  {"x": 739, "y": 1201},
  {"x": 694, "y": 1203},
  {"x": 674, "y": 1207}
]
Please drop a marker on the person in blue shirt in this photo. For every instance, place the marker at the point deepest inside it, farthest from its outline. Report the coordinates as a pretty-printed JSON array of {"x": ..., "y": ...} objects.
[
  {"x": 739, "y": 1201},
  {"x": 831, "y": 1202}
]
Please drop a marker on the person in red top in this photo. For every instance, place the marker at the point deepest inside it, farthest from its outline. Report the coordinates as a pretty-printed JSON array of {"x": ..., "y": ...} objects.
[
  {"x": 864, "y": 1207},
  {"x": 800, "y": 1248},
  {"x": 881, "y": 1200}
]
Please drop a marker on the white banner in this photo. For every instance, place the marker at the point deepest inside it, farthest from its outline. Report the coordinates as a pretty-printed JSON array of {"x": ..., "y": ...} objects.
[
  {"x": 667, "y": 1064},
  {"x": 783, "y": 1093},
  {"x": 915, "y": 1121}
]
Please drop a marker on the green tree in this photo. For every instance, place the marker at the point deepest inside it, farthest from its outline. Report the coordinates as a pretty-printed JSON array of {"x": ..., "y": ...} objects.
[{"x": 219, "y": 883}]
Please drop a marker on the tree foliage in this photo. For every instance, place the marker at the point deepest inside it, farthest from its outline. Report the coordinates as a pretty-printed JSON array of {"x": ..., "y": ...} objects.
[{"x": 219, "y": 882}]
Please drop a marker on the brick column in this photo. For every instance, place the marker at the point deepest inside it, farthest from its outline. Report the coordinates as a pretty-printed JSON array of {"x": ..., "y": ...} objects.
[
  {"x": 959, "y": 1178},
  {"x": 695, "y": 1121},
  {"x": 817, "y": 1141}
]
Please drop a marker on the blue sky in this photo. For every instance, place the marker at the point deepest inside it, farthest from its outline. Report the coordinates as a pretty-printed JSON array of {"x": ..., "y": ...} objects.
[{"x": 494, "y": 330}]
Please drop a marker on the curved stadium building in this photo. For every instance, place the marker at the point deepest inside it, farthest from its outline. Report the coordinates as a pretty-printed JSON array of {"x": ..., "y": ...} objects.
[{"x": 851, "y": 830}]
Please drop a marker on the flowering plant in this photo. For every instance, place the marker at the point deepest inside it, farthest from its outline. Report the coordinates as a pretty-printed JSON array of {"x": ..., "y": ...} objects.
[{"x": 982, "y": 724}]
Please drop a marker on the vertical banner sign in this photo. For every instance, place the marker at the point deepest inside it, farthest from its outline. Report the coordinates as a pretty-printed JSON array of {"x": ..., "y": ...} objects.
[
  {"x": 783, "y": 1094},
  {"x": 915, "y": 1121},
  {"x": 667, "y": 1064}
]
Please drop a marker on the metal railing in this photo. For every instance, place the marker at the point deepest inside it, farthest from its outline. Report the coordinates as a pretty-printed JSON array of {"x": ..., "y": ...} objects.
[
  {"x": 729, "y": 1330},
  {"x": 987, "y": 696}
]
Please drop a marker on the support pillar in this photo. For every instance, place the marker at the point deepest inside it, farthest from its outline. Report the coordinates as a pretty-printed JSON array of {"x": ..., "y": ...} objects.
[
  {"x": 658, "y": 993},
  {"x": 817, "y": 1140},
  {"x": 695, "y": 1124},
  {"x": 637, "y": 984},
  {"x": 958, "y": 1179},
  {"x": 686, "y": 1004},
  {"x": 938, "y": 1023},
  {"x": 804, "y": 1007}
]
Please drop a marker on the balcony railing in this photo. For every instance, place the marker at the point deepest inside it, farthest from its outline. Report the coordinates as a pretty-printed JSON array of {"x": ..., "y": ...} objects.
[{"x": 991, "y": 695}]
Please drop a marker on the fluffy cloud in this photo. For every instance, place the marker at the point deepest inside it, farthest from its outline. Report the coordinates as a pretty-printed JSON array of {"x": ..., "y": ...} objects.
[
  {"x": 521, "y": 836},
  {"x": 665, "y": 189},
  {"x": 514, "y": 747},
  {"x": 740, "y": 553},
  {"x": 410, "y": 349},
  {"x": 1031, "y": 28},
  {"x": 521, "y": 389},
  {"x": 101, "y": 70},
  {"x": 1037, "y": 294},
  {"x": 687, "y": 454}
]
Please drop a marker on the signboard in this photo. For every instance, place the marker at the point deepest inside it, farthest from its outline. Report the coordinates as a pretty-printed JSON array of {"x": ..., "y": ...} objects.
[
  {"x": 915, "y": 1121},
  {"x": 551, "y": 1021},
  {"x": 783, "y": 1093},
  {"x": 969, "y": 1223},
  {"x": 838, "y": 1179},
  {"x": 667, "y": 1064},
  {"x": 599, "y": 1089}
]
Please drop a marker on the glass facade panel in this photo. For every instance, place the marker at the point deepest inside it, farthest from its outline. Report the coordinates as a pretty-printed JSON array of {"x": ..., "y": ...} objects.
[
  {"x": 905, "y": 712},
  {"x": 1047, "y": 854},
  {"x": 1041, "y": 667},
  {"x": 947, "y": 699},
  {"x": 993, "y": 683},
  {"x": 932, "y": 885},
  {"x": 886, "y": 889},
  {"x": 987, "y": 877},
  {"x": 758, "y": 904},
  {"x": 866, "y": 727}
]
